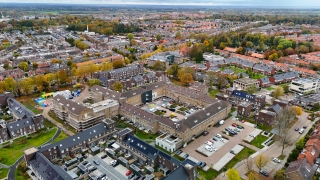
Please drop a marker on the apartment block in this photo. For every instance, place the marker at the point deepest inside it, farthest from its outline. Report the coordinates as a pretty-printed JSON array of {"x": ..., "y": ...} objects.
[{"x": 303, "y": 86}]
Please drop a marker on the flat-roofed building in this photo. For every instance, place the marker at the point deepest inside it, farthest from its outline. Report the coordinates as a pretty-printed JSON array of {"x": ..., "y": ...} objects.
[
  {"x": 244, "y": 83},
  {"x": 304, "y": 85}
]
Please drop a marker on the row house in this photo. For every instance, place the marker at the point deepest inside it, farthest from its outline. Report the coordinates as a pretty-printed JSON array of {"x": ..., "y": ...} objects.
[
  {"x": 264, "y": 82},
  {"x": 14, "y": 73},
  {"x": 300, "y": 170},
  {"x": 121, "y": 73},
  {"x": 265, "y": 70},
  {"x": 304, "y": 71},
  {"x": 284, "y": 77},
  {"x": 246, "y": 64},
  {"x": 151, "y": 156},
  {"x": 18, "y": 110}
]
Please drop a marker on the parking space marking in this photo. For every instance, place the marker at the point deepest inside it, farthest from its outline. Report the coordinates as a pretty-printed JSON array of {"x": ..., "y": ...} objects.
[{"x": 110, "y": 172}]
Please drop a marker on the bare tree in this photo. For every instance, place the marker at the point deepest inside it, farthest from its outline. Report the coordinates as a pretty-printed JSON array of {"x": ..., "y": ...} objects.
[
  {"x": 283, "y": 121},
  {"x": 249, "y": 164}
]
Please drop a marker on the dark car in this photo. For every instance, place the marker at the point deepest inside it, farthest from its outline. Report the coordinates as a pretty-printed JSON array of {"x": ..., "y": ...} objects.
[
  {"x": 296, "y": 129},
  {"x": 199, "y": 163},
  {"x": 172, "y": 109},
  {"x": 186, "y": 156},
  {"x": 104, "y": 156},
  {"x": 203, "y": 165},
  {"x": 85, "y": 162},
  {"x": 215, "y": 139},
  {"x": 115, "y": 164},
  {"x": 239, "y": 127},
  {"x": 205, "y": 133},
  {"x": 92, "y": 169},
  {"x": 131, "y": 176},
  {"x": 304, "y": 127},
  {"x": 179, "y": 152},
  {"x": 232, "y": 152},
  {"x": 265, "y": 133},
  {"x": 264, "y": 173}
]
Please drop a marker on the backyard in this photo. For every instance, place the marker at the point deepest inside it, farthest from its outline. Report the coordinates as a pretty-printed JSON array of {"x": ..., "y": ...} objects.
[
  {"x": 30, "y": 104},
  {"x": 213, "y": 92},
  {"x": 3, "y": 173},
  {"x": 10, "y": 153},
  {"x": 257, "y": 142},
  {"x": 211, "y": 173},
  {"x": 56, "y": 118}
]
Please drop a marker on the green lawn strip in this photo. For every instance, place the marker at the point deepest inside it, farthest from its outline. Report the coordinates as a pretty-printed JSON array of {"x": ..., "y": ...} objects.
[
  {"x": 211, "y": 173},
  {"x": 61, "y": 136},
  {"x": 260, "y": 126},
  {"x": 141, "y": 135},
  {"x": 3, "y": 173},
  {"x": 21, "y": 171},
  {"x": 178, "y": 157},
  {"x": 270, "y": 88},
  {"x": 257, "y": 142},
  {"x": 120, "y": 124},
  {"x": 10, "y": 153},
  {"x": 163, "y": 150},
  {"x": 213, "y": 92},
  {"x": 281, "y": 157},
  {"x": 56, "y": 118},
  {"x": 257, "y": 76}
]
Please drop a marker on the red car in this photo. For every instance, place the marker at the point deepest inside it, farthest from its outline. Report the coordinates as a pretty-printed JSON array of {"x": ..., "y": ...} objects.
[
  {"x": 309, "y": 118},
  {"x": 128, "y": 173},
  {"x": 211, "y": 141},
  {"x": 243, "y": 121},
  {"x": 234, "y": 125}
]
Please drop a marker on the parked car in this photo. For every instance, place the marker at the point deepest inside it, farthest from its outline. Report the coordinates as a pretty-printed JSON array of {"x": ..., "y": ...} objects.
[
  {"x": 85, "y": 163},
  {"x": 239, "y": 127},
  {"x": 215, "y": 139},
  {"x": 186, "y": 156},
  {"x": 301, "y": 131},
  {"x": 179, "y": 152},
  {"x": 96, "y": 162},
  {"x": 128, "y": 173},
  {"x": 209, "y": 143},
  {"x": 203, "y": 164},
  {"x": 218, "y": 136},
  {"x": 232, "y": 152},
  {"x": 296, "y": 129},
  {"x": 205, "y": 133},
  {"x": 264, "y": 173},
  {"x": 199, "y": 163},
  {"x": 104, "y": 156},
  {"x": 251, "y": 135},
  {"x": 222, "y": 140},
  {"x": 130, "y": 176},
  {"x": 304, "y": 127},
  {"x": 234, "y": 124},
  {"x": 243, "y": 121},
  {"x": 276, "y": 160}
]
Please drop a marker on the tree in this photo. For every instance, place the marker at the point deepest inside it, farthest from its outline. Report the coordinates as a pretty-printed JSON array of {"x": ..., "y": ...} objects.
[
  {"x": 105, "y": 66},
  {"x": 252, "y": 176},
  {"x": 178, "y": 35},
  {"x": 119, "y": 63},
  {"x": 249, "y": 44},
  {"x": 130, "y": 36},
  {"x": 62, "y": 76},
  {"x": 278, "y": 91},
  {"x": 282, "y": 124},
  {"x": 186, "y": 78},
  {"x": 159, "y": 66},
  {"x": 211, "y": 78},
  {"x": 2, "y": 86},
  {"x": 261, "y": 160},
  {"x": 173, "y": 69},
  {"x": 26, "y": 85},
  {"x": 251, "y": 89},
  {"x": 199, "y": 57},
  {"x": 297, "y": 109},
  {"x": 117, "y": 86},
  {"x": 35, "y": 65},
  {"x": 126, "y": 60},
  {"x": 38, "y": 82},
  {"x": 285, "y": 88},
  {"x": 249, "y": 164},
  {"x": 186, "y": 70},
  {"x": 24, "y": 66},
  {"x": 10, "y": 84},
  {"x": 316, "y": 107},
  {"x": 158, "y": 37},
  {"x": 233, "y": 174},
  {"x": 93, "y": 82},
  {"x": 221, "y": 83},
  {"x": 280, "y": 175}
]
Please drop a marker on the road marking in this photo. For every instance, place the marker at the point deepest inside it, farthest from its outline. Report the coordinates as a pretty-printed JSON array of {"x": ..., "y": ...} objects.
[{"x": 110, "y": 172}]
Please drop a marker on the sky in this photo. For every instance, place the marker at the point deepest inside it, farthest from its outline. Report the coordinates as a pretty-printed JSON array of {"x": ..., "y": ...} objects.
[{"x": 277, "y": 3}]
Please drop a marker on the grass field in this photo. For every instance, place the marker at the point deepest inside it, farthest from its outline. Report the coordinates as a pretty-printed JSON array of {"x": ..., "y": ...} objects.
[
  {"x": 213, "y": 92},
  {"x": 56, "y": 118},
  {"x": 270, "y": 88},
  {"x": 258, "y": 141},
  {"x": 12, "y": 152},
  {"x": 211, "y": 173},
  {"x": 143, "y": 136},
  {"x": 30, "y": 104},
  {"x": 3, "y": 173},
  {"x": 257, "y": 76},
  {"x": 61, "y": 136}
]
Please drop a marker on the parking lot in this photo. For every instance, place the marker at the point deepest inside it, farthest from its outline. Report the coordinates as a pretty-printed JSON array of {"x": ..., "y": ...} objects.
[
  {"x": 216, "y": 144},
  {"x": 114, "y": 173},
  {"x": 217, "y": 155}
]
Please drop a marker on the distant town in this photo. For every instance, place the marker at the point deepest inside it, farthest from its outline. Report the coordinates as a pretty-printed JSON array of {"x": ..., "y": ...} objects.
[{"x": 158, "y": 93}]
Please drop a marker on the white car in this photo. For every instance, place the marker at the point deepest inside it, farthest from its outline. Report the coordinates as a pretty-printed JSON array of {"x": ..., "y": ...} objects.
[
  {"x": 276, "y": 160},
  {"x": 210, "y": 148},
  {"x": 218, "y": 136},
  {"x": 251, "y": 135},
  {"x": 113, "y": 162},
  {"x": 209, "y": 143}
]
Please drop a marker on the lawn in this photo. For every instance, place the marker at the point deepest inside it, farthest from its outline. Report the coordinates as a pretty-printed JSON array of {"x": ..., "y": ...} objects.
[
  {"x": 61, "y": 136},
  {"x": 178, "y": 157},
  {"x": 257, "y": 142},
  {"x": 21, "y": 171},
  {"x": 211, "y": 173},
  {"x": 159, "y": 113},
  {"x": 236, "y": 70},
  {"x": 270, "y": 88},
  {"x": 30, "y": 104},
  {"x": 143, "y": 136},
  {"x": 3, "y": 173},
  {"x": 12, "y": 152},
  {"x": 56, "y": 118},
  {"x": 260, "y": 126},
  {"x": 257, "y": 76},
  {"x": 213, "y": 92}
]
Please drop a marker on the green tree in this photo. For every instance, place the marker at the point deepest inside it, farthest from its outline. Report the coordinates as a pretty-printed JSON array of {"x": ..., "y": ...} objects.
[
  {"x": 10, "y": 84},
  {"x": 93, "y": 82},
  {"x": 24, "y": 66},
  {"x": 233, "y": 174},
  {"x": 130, "y": 36},
  {"x": 159, "y": 66},
  {"x": 280, "y": 175},
  {"x": 119, "y": 63},
  {"x": 126, "y": 60},
  {"x": 158, "y": 37},
  {"x": 278, "y": 92},
  {"x": 117, "y": 86},
  {"x": 261, "y": 160},
  {"x": 285, "y": 88},
  {"x": 173, "y": 70},
  {"x": 199, "y": 57},
  {"x": 35, "y": 65},
  {"x": 251, "y": 89}
]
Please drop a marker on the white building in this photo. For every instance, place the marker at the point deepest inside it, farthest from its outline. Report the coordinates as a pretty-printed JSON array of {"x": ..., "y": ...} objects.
[
  {"x": 304, "y": 85},
  {"x": 169, "y": 142}
]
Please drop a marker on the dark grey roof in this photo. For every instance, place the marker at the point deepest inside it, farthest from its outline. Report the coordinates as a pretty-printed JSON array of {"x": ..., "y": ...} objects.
[
  {"x": 265, "y": 80},
  {"x": 46, "y": 169},
  {"x": 77, "y": 138},
  {"x": 303, "y": 167},
  {"x": 244, "y": 75},
  {"x": 20, "y": 124},
  {"x": 276, "y": 108},
  {"x": 287, "y": 75},
  {"x": 49, "y": 56},
  {"x": 201, "y": 66},
  {"x": 246, "y": 63},
  {"x": 18, "y": 109},
  {"x": 135, "y": 66},
  {"x": 262, "y": 68},
  {"x": 133, "y": 92},
  {"x": 138, "y": 78},
  {"x": 156, "y": 85},
  {"x": 187, "y": 64},
  {"x": 214, "y": 69},
  {"x": 147, "y": 149},
  {"x": 72, "y": 106},
  {"x": 227, "y": 71},
  {"x": 151, "y": 75},
  {"x": 232, "y": 60},
  {"x": 179, "y": 173},
  {"x": 201, "y": 115},
  {"x": 106, "y": 92}
]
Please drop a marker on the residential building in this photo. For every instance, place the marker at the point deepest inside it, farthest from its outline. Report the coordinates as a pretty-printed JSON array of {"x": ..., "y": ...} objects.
[
  {"x": 169, "y": 142},
  {"x": 167, "y": 58},
  {"x": 284, "y": 77},
  {"x": 121, "y": 73},
  {"x": 244, "y": 83},
  {"x": 264, "y": 82},
  {"x": 303, "y": 86},
  {"x": 4, "y": 97},
  {"x": 81, "y": 116},
  {"x": 307, "y": 101},
  {"x": 281, "y": 103},
  {"x": 244, "y": 109},
  {"x": 299, "y": 170},
  {"x": 265, "y": 70},
  {"x": 151, "y": 156}
]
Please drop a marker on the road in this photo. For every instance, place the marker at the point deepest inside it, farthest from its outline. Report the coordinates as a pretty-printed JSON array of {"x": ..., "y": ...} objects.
[{"x": 110, "y": 171}]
